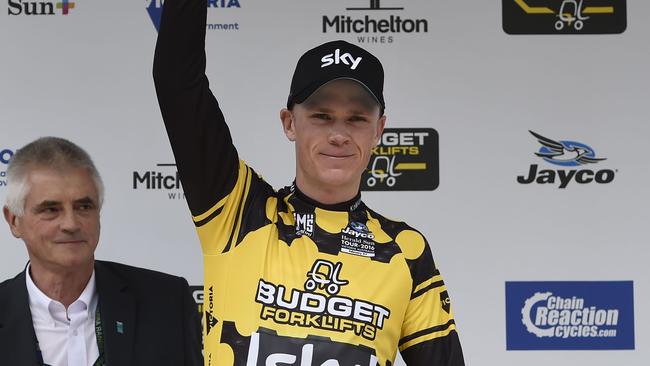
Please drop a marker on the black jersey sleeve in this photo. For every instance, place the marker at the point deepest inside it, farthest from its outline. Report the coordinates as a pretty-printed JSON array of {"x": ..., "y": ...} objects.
[
  {"x": 435, "y": 352},
  {"x": 206, "y": 159},
  {"x": 429, "y": 334}
]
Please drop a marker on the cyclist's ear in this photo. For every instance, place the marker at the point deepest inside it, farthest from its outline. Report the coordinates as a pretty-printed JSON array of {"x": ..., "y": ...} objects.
[
  {"x": 288, "y": 124},
  {"x": 380, "y": 129}
]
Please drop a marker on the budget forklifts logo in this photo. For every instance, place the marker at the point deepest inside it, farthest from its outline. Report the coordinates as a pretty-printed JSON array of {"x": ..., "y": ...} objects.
[
  {"x": 164, "y": 178},
  {"x": 21, "y": 7},
  {"x": 375, "y": 23},
  {"x": 319, "y": 305},
  {"x": 566, "y": 154},
  {"x": 569, "y": 315},
  {"x": 406, "y": 159},
  {"x": 155, "y": 7},
  {"x": 564, "y": 16}
]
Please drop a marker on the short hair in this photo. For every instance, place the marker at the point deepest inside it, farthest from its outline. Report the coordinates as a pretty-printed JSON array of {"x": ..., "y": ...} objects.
[{"x": 51, "y": 152}]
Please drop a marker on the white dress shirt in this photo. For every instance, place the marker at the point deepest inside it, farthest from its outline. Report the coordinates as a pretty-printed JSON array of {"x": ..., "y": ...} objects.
[{"x": 65, "y": 337}]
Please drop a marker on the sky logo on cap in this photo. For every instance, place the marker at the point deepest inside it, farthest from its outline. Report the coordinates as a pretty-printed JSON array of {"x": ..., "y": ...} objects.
[
  {"x": 594, "y": 315},
  {"x": 336, "y": 58}
]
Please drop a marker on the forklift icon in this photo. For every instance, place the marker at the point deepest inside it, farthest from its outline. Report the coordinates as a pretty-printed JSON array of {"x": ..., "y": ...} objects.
[
  {"x": 384, "y": 170},
  {"x": 325, "y": 275},
  {"x": 576, "y": 17},
  {"x": 570, "y": 13},
  {"x": 388, "y": 174}
]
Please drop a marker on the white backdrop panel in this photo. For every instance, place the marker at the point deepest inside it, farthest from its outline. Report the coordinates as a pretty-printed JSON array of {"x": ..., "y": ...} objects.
[{"x": 87, "y": 77}]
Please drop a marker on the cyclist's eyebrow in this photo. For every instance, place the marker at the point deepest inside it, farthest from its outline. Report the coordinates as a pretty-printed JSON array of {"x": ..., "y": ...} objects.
[{"x": 362, "y": 103}]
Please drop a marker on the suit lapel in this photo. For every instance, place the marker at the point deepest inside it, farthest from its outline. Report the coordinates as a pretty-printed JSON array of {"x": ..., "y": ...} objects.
[
  {"x": 17, "y": 336},
  {"x": 117, "y": 309}
]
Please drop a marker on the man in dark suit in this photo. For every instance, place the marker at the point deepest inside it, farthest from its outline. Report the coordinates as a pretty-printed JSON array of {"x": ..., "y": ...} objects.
[{"x": 66, "y": 308}]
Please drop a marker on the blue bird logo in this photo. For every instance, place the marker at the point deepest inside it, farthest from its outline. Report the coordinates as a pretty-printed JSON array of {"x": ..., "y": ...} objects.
[
  {"x": 565, "y": 153},
  {"x": 359, "y": 227}
]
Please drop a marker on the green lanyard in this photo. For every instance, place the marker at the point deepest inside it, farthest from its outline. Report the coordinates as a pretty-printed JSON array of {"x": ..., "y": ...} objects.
[{"x": 99, "y": 335}]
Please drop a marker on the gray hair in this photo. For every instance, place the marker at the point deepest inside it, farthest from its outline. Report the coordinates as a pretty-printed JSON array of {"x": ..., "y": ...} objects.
[{"x": 51, "y": 152}]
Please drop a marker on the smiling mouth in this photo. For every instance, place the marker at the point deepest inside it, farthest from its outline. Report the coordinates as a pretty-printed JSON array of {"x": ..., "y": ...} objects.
[
  {"x": 73, "y": 242},
  {"x": 337, "y": 156}
]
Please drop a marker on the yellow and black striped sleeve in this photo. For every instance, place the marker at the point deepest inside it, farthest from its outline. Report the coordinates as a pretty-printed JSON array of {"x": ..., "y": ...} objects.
[
  {"x": 243, "y": 210},
  {"x": 428, "y": 335}
]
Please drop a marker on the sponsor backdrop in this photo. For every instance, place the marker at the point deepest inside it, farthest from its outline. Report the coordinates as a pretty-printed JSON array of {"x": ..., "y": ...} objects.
[{"x": 516, "y": 144}]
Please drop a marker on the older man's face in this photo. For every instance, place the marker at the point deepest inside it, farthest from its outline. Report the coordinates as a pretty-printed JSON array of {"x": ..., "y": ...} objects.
[{"x": 60, "y": 225}]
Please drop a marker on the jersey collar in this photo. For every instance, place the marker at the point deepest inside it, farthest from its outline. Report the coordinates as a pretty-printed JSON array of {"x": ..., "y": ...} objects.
[{"x": 350, "y": 205}]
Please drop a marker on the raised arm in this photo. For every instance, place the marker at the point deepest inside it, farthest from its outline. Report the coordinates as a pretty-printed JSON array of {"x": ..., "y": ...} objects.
[{"x": 205, "y": 156}]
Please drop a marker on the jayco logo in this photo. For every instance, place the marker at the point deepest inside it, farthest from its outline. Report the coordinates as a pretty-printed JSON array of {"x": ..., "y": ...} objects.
[
  {"x": 336, "y": 58},
  {"x": 566, "y": 153},
  {"x": 357, "y": 239},
  {"x": 358, "y": 230}
]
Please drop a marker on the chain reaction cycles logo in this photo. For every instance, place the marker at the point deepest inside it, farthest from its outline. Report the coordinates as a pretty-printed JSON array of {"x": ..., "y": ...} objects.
[
  {"x": 379, "y": 25},
  {"x": 569, "y": 154},
  {"x": 569, "y": 315},
  {"x": 318, "y": 306},
  {"x": 406, "y": 159},
  {"x": 21, "y": 7},
  {"x": 566, "y": 317},
  {"x": 564, "y": 16}
]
